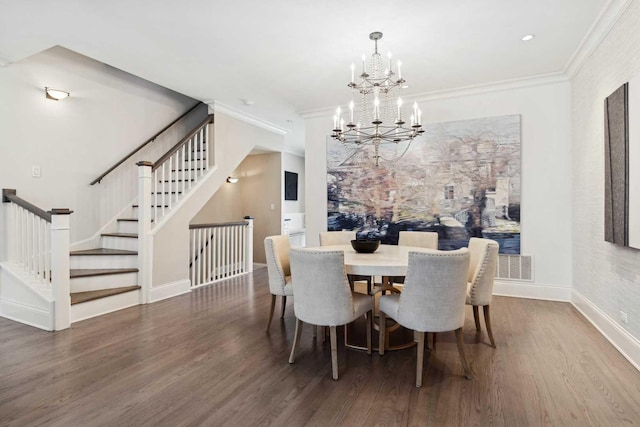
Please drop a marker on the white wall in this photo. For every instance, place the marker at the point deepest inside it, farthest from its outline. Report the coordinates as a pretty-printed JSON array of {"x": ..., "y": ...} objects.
[
  {"x": 225, "y": 205},
  {"x": 546, "y": 169},
  {"x": 262, "y": 178},
  {"x": 109, "y": 113},
  {"x": 606, "y": 275}
]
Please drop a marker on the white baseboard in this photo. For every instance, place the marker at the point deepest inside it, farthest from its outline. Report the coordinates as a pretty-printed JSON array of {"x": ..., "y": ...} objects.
[
  {"x": 531, "y": 291},
  {"x": 622, "y": 340},
  {"x": 98, "y": 307},
  {"x": 27, "y": 314},
  {"x": 169, "y": 290}
]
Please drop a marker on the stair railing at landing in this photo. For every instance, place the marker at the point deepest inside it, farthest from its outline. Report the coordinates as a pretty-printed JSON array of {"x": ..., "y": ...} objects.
[
  {"x": 36, "y": 252},
  {"x": 163, "y": 184},
  {"x": 220, "y": 251},
  {"x": 175, "y": 173}
]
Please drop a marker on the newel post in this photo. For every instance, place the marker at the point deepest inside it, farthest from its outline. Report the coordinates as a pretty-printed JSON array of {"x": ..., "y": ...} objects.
[
  {"x": 60, "y": 264},
  {"x": 248, "y": 245},
  {"x": 145, "y": 240}
]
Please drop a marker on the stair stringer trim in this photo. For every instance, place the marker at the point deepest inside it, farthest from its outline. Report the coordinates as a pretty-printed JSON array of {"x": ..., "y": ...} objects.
[
  {"x": 111, "y": 225},
  {"x": 23, "y": 301}
]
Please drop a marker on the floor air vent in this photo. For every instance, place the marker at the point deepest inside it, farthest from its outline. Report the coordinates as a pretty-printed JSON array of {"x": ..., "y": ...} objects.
[{"x": 515, "y": 267}]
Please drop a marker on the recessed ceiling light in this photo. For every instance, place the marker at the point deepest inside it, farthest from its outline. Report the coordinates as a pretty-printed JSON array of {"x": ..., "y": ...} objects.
[
  {"x": 528, "y": 37},
  {"x": 405, "y": 86}
]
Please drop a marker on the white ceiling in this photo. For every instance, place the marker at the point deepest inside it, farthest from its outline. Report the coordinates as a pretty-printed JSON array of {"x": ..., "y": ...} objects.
[{"x": 293, "y": 56}]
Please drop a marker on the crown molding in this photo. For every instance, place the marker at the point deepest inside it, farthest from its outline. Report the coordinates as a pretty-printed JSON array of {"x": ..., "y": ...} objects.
[
  {"x": 219, "y": 107},
  {"x": 603, "y": 24},
  {"x": 498, "y": 86}
]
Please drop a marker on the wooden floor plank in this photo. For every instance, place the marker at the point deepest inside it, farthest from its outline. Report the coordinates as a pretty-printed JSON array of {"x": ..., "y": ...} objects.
[{"x": 204, "y": 359}]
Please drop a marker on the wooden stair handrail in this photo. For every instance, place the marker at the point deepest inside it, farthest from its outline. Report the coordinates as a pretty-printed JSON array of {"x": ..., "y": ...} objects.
[
  {"x": 184, "y": 140},
  {"x": 217, "y": 225},
  {"x": 144, "y": 144},
  {"x": 9, "y": 195}
]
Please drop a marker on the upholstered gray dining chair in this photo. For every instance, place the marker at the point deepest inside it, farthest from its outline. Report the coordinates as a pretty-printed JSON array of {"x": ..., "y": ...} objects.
[
  {"x": 276, "y": 250},
  {"x": 323, "y": 297},
  {"x": 331, "y": 238},
  {"x": 432, "y": 300},
  {"x": 482, "y": 270}
]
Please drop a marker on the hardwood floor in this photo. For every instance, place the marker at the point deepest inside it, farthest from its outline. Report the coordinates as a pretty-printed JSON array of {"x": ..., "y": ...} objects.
[{"x": 204, "y": 359}]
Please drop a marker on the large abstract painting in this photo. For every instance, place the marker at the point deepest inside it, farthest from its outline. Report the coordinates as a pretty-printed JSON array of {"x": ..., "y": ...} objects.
[{"x": 460, "y": 179}]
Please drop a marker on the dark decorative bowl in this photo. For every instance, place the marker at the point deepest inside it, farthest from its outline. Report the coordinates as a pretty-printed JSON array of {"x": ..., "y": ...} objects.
[{"x": 365, "y": 246}]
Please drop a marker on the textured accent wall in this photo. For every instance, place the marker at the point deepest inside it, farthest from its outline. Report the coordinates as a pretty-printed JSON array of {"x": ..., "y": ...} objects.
[{"x": 606, "y": 274}]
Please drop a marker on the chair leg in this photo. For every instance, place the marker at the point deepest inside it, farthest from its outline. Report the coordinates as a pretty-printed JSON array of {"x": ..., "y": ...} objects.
[
  {"x": 463, "y": 359},
  {"x": 433, "y": 346},
  {"x": 273, "y": 306},
  {"x": 476, "y": 317},
  {"x": 381, "y": 343},
  {"x": 419, "y": 338},
  {"x": 334, "y": 351},
  {"x": 284, "y": 305},
  {"x": 296, "y": 341},
  {"x": 487, "y": 322},
  {"x": 315, "y": 331},
  {"x": 369, "y": 328},
  {"x": 324, "y": 334}
]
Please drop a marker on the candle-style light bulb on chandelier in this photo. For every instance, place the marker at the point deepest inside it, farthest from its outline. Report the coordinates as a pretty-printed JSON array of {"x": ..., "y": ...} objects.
[{"x": 381, "y": 120}]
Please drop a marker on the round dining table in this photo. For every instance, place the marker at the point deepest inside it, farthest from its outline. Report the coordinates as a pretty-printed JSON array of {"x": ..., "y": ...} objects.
[{"x": 387, "y": 261}]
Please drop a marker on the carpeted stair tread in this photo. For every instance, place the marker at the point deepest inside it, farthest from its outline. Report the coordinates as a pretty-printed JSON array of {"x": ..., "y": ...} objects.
[{"x": 78, "y": 297}]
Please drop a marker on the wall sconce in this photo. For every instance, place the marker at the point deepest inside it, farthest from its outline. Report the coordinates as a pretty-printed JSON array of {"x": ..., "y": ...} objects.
[
  {"x": 232, "y": 180},
  {"x": 55, "y": 94}
]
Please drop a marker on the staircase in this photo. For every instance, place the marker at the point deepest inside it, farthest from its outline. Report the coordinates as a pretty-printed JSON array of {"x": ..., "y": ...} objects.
[
  {"x": 105, "y": 279},
  {"x": 45, "y": 284}
]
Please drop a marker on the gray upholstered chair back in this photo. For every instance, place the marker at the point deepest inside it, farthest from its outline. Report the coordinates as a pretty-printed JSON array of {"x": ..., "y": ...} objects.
[
  {"x": 320, "y": 286},
  {"x": 418, "y": 239},
  {"x": 329, "y": 238},
  {"x": 434, "y": 293},
  {"x": 482, "y": 270},
  {"x": 276, "y": 249}
]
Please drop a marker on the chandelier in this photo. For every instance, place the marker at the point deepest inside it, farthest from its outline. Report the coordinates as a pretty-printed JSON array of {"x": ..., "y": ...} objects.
[{"x": 380, "y": 122}]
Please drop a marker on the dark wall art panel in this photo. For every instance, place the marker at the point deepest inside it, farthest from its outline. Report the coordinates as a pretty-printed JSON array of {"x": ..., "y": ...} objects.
[
  {"x": 290, "y": 186},
  {"x": 616, "y": 177},
  {"x": 460, "y": 179}
]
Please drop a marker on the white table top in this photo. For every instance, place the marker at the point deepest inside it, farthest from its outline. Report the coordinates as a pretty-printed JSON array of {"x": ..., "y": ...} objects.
[{"x": 388, "y": 260}]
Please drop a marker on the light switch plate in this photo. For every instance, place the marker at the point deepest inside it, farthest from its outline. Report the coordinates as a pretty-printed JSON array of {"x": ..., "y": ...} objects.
[{"x": 35, "y": 171}]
